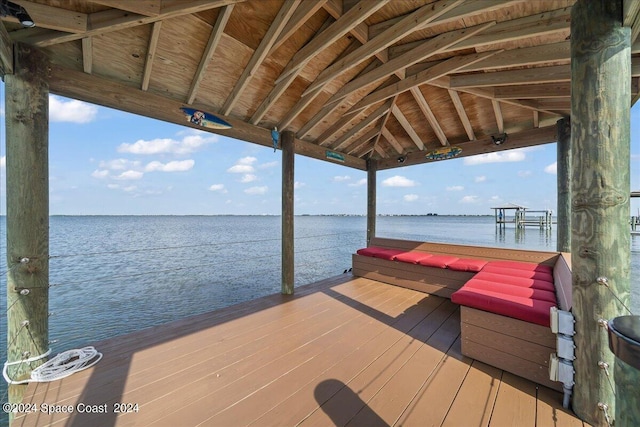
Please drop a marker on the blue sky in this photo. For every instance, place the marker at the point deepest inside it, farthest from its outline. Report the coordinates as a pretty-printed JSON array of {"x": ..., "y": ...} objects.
[{"x": 102, "y": 161}]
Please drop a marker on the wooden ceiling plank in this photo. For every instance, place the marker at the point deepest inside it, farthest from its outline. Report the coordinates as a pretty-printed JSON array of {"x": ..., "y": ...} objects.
[
  {"x": 302, "y": 14},
  {"x": 339, "y": 28},
  {"x": 559, "y": 73},
  {"x": 212, "y": 44},
  {"x": 323, "y": 139},
  {"x": 115, "y": 20},
  {"x": 375, "y": 115},
  {"x": 90, "y": 88},
  {"x": 431, "y": 118},
  {"x": 392, "y": 140},
  {"x": 142, "y": 7},
  {"x": 407, "y": 127},
  {"x": 151, "y": 54},
  {"x": 526, "y": 56},
  {"x": 439, "y": 70},
  {"x": 554, "y": 104},
  {"x": 87, "y": 54},
  {"x": 419, "y": 53},
  {"x": 406, "y": 26},
  {"x": 261, "y": 52},
  {"x": 380, "y": 151},
  {"x": 462, "y": 113},
  {"x": 527, "y": 138},
  {"x": 55, "y": 18},
  {"x": 497, "y": 110},
  {"x": 543, "y": 90},
  {"x": 6, "y": 51},
  {"x": 360, "y": 142}
]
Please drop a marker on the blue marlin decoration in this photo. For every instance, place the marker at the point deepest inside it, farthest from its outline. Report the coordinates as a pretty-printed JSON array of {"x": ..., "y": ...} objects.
[{"x": 275, "y": 135}]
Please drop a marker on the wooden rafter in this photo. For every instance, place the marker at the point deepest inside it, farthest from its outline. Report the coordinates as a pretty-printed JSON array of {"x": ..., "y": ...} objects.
[
  {"x": 431, "y": 118},
  {"x": 151, "y": 54},
  {"x": 305, "y": 11},
  {"x": 401, "y": 29},
  {"x": 347, "y": 21},
  {"x": 87, "y": 54},
  {"x": 498, "y": 113},
  {"x": 142, "y": 7},
  {"x": 392, "y": 140},
  {"x": 323, "y": 139},
  {"x": 526, "y": 56},
  {"x": 260, "y": 53},
  {"x": 407, "y": 127},
  {"x": 212, "y": 44},
  {"x": 54, "y": 18},
  {"x": 462, "y": 113},
  {"x": 362, "y": 141},
  {"x": 560, "y": 73},
  {"x": 115, "y": 20},
  {"x": 543, "y": 90},
  {"x": 372, "y": 117}
]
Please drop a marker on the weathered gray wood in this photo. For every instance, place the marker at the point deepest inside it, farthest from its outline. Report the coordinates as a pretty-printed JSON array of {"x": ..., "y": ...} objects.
[
  {"x": 371, "y": 200},
  {"x": 564, "y": 185},
  {"x": 6, "y": 51},
  {"x": 600, "y": 142},
  {"x": 27, "y": 126},
  {"x": 288, "y": 153}
]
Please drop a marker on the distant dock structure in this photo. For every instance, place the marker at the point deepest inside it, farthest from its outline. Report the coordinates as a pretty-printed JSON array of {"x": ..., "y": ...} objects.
[{"x": 517, "y": 215}]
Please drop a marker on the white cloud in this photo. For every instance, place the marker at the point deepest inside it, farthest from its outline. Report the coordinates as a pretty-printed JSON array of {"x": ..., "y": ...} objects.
[
  {"x": 113, "y": 186},
  {"x": 241, "y": 169},
  {"x": 341, "y": 178},
  {"x": 174, "y": 166},
  {"x": 410, "y": 197},
  {"x": 248, "y": 178},
  {"x": 218, "y": 187},
  {"x": 100, "y": 173},
  {"x": 298, "y": 184},
  {"x": 256, "y": 190},
  {"x": 469, "y": 199},
  {"x": 359, "y": 183},
  {"x": 130, "y": 188},
  {"x": 130, "y": 175},
  {"x": 524, "y": 174},
  {"x": 398, "y": 181},
  {"x": 268, "y": 165},
  {"x": 552, "y": 168},
  {"x": 517, "y": 155},
  {"x": 480, "y": 178},
  {"x": 73, "y": 111},
  {"x": 119, "y": 164},
  {"x": 186, "y": 145},
  {"x": 455, "y": 188},
  {"x": 249, "y": 160}
]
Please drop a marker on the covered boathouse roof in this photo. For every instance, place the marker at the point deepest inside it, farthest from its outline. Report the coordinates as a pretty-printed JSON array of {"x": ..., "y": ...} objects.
[{"x": 354, "y": 80}]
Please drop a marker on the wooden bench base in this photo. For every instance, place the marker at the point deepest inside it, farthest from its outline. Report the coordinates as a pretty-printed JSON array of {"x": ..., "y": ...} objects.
[{"x": 513, "y": 345}]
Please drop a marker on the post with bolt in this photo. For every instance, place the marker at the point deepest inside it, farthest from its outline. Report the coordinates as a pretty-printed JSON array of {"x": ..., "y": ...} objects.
[{"x": 27, "y": 130}]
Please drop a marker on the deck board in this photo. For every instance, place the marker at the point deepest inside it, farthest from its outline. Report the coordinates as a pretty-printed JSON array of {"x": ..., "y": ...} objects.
[{"x": 343, "y": 351}]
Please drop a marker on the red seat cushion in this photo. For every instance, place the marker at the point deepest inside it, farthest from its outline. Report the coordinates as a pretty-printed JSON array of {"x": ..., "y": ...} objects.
[
  {"x": 370, "y": 251},
  {"x": 516, "y": 281},
  {"x": 519, "y": 265},
  {"x": 412, "y": 257},
  {"x": 529, "y": 274},
  {"x": 516, "y": 291},
  {"x": 493, "y": 300},
  {"x": 467, "y": 264},
  {"x": 439, "y": 261},
  {"x": 378, "y": 252}
]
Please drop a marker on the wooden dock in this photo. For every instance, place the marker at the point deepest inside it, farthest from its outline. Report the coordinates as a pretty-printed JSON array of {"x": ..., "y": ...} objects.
[{"x": 343, "y": 351}]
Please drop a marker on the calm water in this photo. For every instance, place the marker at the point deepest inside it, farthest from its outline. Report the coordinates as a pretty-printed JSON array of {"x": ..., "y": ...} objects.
[{"x": 115, "y": 274}]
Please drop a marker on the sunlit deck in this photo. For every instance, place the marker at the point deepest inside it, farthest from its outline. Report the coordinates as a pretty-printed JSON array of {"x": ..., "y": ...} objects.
[{"x": 343, "y": 351}]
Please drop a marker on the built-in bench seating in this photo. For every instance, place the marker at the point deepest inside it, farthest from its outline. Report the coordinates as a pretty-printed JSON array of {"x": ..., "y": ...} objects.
[{"x": 505, "y": 295}]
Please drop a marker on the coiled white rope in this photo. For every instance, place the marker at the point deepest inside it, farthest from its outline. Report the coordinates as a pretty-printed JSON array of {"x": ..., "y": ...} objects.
[{"x": 61, "y": 366}]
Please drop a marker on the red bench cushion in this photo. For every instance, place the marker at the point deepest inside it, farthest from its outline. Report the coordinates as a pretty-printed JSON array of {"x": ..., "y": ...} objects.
[
  {"x": 467, "y": 264},
  {"x": 438, "y": 261},
  {"x": 494, "y": 299},
  {"x": 412, "y": 257},
  {"x": 378, "y": 252},
  {"x": 516, "y": 291},
  {"x": 528, "y": 274},
  {"x": 516, "y": 281},
  {"x": 519, "y": 265}
]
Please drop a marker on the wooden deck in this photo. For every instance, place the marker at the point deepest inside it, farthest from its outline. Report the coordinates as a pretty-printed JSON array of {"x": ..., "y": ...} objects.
[{"x": 344, "y": 351}]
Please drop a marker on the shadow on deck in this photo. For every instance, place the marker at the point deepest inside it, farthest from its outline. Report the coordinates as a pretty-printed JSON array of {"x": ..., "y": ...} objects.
[{"x": 343, "y": 351}]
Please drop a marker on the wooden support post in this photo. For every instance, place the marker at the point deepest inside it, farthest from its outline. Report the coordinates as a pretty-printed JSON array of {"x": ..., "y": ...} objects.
[
  {"x": 371, "y": 200},
  {"x": 564, "y": 185},
  {"x": 288, "y": 257},
  {"x": 27, "y": 163},
  {"x": 600, "y": 243}
]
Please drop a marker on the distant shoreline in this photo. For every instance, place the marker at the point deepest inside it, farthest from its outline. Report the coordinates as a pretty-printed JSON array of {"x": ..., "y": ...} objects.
[{"x": 261, "y": 215}]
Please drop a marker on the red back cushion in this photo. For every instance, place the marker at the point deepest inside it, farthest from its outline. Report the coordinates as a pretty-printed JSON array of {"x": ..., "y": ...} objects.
[
  {"x": 467, "y": 264},
  {"x": 438, "y": 261}
]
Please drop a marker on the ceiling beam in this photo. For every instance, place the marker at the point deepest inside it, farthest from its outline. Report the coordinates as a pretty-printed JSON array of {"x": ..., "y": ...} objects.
[
  {"x": 392, "y": 140},
  {"x": 87, "y": 54},
  {"x": 302, "y": 14},
  {"x": 261, "y": 52},
  {"x": 431, "y": 118},
  {"x": 372, "y": 117},
  {"x": 54, "y": 18},
  {"x": 115, "y": 20},
  {"x": 533, "y": 91},
  {"x": 323, "y": 139},
  {"x": 151, "y": 54},
  {"x": 407, "y": 127},
  {"x": 521, "y": 139},
  {"x": 526, "y": 56},
  {"x": 559, "y": 73},
  {"x": 100, "y": 91},
  {"x": 360, "y": 142},
  {"x": 498, "y": 113},
  {"x": 339, "y": 28},
  {"x": 142, "y": 7},
  {"x": 462, "y": 113},
  {"x": 335, "y": 9},
  {"x": 536, "y": 119},
  {"x": 401, "y": 29}
]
